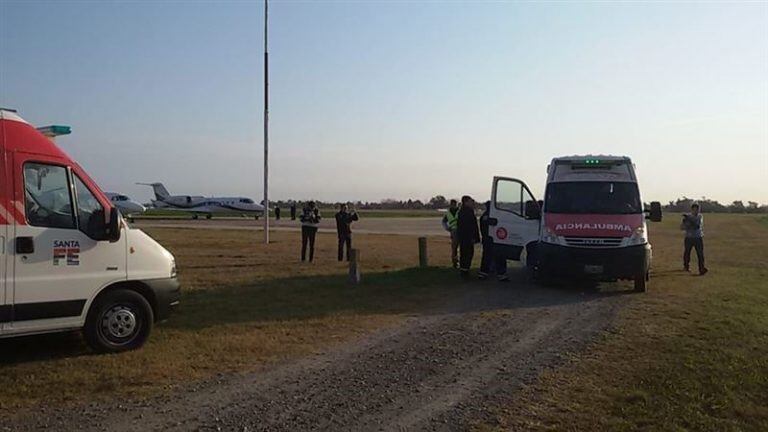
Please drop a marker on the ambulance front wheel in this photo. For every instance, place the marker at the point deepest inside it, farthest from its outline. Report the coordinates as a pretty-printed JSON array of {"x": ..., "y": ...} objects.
[{"x": 119, "y": 320}]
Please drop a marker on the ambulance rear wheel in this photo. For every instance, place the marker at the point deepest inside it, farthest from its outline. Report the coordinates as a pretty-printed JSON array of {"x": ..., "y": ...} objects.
[
  {"x": 641, "y": 283},
  {"x": 119, "y": 320}
]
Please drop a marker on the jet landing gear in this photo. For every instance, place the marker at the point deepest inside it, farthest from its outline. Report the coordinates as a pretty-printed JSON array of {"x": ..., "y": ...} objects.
[{"x": 208, "y": 216}]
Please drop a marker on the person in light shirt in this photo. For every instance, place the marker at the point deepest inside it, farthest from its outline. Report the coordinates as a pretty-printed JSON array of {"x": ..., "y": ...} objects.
[{"x": 693, "y": 225}]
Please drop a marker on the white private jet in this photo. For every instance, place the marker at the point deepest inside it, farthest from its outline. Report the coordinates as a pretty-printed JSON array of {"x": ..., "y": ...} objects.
[
  {"x": 125, "y": 204},
  {"x": 197, "y": 204}
]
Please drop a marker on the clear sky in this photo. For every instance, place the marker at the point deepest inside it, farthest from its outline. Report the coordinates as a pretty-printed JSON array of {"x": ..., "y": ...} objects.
[{"x": 374, "y": 100}]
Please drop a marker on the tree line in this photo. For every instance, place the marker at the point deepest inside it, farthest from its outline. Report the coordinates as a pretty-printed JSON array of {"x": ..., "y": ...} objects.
[
  {"x": 712, "y": 206},
  {"x": 441, "y": 202}
]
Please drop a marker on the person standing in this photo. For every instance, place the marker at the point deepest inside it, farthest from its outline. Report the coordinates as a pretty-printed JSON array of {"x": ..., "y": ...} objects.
[
  {"x": 293, "y": 210},
  {"x": 693, "y": 225},
  {"x": 277, "y": 213},
  {"x": 310, "y": 219},
  {"x": 344, "y": 221},
  {"x": 451, "y": 224},
  {"x": 491, "y": 259},
  {"x": 468, "y": 234}
]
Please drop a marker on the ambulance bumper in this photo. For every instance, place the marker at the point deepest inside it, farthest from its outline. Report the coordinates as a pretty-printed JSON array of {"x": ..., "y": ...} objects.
[
  {"x": 608, "y": 263},
  {"x": 167, "y": 296}
]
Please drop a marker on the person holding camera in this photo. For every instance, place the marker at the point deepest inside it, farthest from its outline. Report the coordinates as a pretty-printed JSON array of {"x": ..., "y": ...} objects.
[
  {"x": 344, "y": 221},
  {"x": 310, "y": 219},
  {"x": 693, "y": 225}
]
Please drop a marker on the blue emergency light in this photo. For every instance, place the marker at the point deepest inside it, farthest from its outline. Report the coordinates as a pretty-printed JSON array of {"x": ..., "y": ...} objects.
[{"x": 54, "y": 130}]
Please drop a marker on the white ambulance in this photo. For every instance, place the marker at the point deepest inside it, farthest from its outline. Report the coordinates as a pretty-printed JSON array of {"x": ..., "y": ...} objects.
[
  {"x": 591, "y": 223},
  {"x": 67, "y": 259}
]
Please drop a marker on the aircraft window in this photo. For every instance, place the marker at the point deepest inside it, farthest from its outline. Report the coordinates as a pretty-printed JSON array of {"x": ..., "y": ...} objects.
[
  {"x": 246, "y": 201},
  {"x": 48, "y": 199},
  {"x": 87, "y": 204}
]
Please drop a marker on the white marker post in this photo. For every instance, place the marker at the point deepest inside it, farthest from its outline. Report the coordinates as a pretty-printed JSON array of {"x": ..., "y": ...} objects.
[{"x": 266, "y": 124}]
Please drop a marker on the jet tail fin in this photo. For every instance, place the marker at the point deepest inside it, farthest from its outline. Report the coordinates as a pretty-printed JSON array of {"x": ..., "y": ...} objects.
[{"x": 161, "y": 193}]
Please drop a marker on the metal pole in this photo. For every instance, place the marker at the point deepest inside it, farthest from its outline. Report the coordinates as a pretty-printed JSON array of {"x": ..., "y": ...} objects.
[{"x": 266, "y": 124}]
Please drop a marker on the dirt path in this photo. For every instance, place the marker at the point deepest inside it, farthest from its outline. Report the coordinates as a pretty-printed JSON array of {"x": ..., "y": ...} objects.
[{"x": 439, "y": 371}]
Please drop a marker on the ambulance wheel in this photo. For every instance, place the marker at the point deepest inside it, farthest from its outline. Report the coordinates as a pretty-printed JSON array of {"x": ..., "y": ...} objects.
[
  {"x": 119, "y": 320},
  {"x": 641, "y": 283}
]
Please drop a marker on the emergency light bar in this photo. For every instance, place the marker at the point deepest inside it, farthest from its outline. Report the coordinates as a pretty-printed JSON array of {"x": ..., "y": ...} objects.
[
  {"x": 595, "y": 164},
  {"x": 54, "y": 130}
]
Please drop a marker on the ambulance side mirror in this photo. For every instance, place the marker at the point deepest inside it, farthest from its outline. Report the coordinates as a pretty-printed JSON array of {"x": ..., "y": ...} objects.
[
  {"x": 113, "y": 227},
  {"x": 101, "y": 229},
  {"x": 532, "y": 210},
  {"x": 654, "y": 214}
]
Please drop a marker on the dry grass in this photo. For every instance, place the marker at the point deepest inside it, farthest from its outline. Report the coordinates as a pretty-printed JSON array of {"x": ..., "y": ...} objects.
[
  {"x": 215, "y": 258},
  {"x": 690, "y": 355},
  {"x": 244, "y": 306}
]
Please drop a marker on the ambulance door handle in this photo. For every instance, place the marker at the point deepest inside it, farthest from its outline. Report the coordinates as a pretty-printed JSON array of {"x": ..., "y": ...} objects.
[{"x": 25, "y": 245}]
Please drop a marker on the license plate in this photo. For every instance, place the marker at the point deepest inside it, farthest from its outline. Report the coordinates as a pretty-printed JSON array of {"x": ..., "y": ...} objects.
[{"x": 593, "y": 269}]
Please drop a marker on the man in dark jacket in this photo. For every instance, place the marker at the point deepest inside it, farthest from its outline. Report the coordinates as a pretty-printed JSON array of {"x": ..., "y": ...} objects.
[
  {"x": 310, "y": 219},
  {"x": 344, "y": 221},
  {"x": 468, "y": 233},
  {"x": 293, "y": 211},
  {"x": 491, "y": 260}
]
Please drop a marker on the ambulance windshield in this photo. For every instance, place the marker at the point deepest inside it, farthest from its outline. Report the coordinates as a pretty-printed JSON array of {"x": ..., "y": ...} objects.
[{"x": 593, "y": 198}]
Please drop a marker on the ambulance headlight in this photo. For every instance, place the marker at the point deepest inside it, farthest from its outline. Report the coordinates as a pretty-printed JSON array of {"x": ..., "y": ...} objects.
[
  {"x": 549, "y": 236},
  {"x": 639, "y": 236},
  {"x": 173, "y": 268}
]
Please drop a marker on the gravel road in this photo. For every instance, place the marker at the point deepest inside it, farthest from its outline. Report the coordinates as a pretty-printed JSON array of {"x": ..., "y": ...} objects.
[{"x": 443, "y": 370}]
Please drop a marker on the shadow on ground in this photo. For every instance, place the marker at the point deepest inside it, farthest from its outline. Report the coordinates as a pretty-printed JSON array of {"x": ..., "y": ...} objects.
[{"x": 410, "y": 292}]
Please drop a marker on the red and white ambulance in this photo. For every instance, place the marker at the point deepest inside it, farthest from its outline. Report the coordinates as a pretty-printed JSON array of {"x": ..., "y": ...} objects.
[
  {"x": 591, "y": 223},
  {"x": 67, "y": 259}
]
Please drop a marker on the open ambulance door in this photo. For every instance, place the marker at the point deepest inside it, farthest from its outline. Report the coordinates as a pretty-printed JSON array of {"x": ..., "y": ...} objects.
[{"x": 514, "y": 217}]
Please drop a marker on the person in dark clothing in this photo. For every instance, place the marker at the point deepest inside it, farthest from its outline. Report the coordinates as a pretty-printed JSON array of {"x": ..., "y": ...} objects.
[
  {"x": 491, "y": 260},
  {"x": 693, "y": 225},
  {"x": 310, "y": 219},
  {"x": 293, "y": 211},
  {"x": 469, "y": 234},
  {"x": 344, "y": 221},
  {"x": 277, "y": 213}
]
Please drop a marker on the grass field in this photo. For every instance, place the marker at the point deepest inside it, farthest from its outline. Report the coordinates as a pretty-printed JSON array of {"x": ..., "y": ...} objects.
[
  {"x": 692, "y": 354},
  {"x": 243, "y": 307}
]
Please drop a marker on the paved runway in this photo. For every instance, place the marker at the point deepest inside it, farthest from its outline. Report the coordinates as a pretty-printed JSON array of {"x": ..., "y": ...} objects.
[{"x": 416, "y": 226}]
